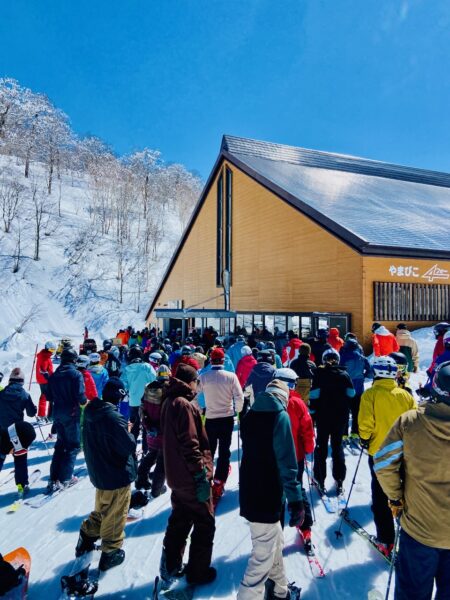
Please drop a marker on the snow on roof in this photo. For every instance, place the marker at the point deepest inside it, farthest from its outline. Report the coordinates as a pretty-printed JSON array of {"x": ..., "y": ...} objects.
[{"x": 378, "y": 204}]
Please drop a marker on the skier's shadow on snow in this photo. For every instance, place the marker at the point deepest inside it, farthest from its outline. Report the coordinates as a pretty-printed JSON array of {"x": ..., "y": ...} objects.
[
  {"x": 361, "y": 513},
  {"x": 71, "y": 524}
]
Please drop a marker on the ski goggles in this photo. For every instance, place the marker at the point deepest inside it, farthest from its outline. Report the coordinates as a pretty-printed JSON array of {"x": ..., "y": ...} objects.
[{"x": 14, "y": 438}]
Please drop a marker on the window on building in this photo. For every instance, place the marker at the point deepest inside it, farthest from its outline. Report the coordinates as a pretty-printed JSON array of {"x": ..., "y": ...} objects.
[
  {"x": 280, "y": 323},
  {"x": 228, "y": 218},
  {"x": 294, "y": 324},
  {"x": 219, "y": 253},
  {"x": 306, "y": 327},
  {"x": 411, "y": 301}
]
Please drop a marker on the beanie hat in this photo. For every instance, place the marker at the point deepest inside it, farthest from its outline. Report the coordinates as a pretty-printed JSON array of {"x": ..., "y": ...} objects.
[
  {"x": 186, "y": 373},
  {"x": 17, "y": 375},
  {"x": 25, "y": 432},
  {"x": 114, "y": 390},
  {"x": 163, "y": 373},
  {"x": 217, "y": 355},
  {"x": 305, "y": 349},
  {"x": 246, "y": 351},
  {"x": 279, "y": 389}
]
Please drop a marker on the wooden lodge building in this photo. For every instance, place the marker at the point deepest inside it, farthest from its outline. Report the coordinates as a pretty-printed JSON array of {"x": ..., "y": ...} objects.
[{"x": 288, "y": 238}]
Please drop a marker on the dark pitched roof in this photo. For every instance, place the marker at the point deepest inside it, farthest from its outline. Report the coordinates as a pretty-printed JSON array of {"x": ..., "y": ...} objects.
[{"x": 377, "y": 208}]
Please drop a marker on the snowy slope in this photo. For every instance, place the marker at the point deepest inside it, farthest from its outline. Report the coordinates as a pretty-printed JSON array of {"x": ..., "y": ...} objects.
[{"x": 50, "y": 533}]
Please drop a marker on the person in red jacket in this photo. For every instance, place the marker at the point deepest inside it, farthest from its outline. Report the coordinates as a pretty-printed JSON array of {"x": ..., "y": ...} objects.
[
  {"x": 186, "y": 359},
  {"x": 334, "y": 340},
  {"x": 245, "y": 365},
  {"x": 44, "y": 368},
  {"x": 90, "y": 388},
  {"x": 290, "y": 351},
  {"x": 383, "y": 341},
  {"x": 303, "y": 434}
]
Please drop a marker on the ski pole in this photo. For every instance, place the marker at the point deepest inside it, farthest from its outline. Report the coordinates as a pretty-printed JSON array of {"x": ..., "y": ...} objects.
[
  {"x": 32, "y": 368},
  {"x": 310, "y": 492},
  {"x": 338, "y": 532},
  {"x": 394, "y": 557},
  {"x": 43, "y": 438}
]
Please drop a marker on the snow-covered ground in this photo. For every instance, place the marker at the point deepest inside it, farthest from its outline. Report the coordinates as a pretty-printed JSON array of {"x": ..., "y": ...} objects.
[{"x": 50, "y": 532}]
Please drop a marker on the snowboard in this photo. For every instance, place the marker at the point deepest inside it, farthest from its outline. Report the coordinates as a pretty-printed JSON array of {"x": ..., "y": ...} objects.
[
  {"x": 19, "y": 558},
  {"x": 179, "y": 589},
  {"x": 78, "y": 582}
]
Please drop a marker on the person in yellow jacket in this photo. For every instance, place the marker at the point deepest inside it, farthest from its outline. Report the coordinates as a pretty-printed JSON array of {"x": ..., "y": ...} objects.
[
  {"x": 380, "y": 406},
  {"x": 412, "y": 466}
]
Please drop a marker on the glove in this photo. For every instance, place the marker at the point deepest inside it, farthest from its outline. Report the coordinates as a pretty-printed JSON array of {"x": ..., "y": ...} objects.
[
  {"x": 364, "y": 444},
  {"x": 396, "y": 507},
  {"x": 202, "y": 486},
  {"x": 296, "y": 512}
]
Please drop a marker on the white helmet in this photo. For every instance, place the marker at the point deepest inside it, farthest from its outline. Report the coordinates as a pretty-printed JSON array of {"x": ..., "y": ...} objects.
[
  {"x": 94, "y": 357},
  {"x": 155, "y": 357},
  {"x": 51, "y": 346},
  {"x": 385, "y": 367},
  {"x": 83, "y": 361},
  {"x": 289, "y": 376},
  {"x": 246, "y": 351},
  {"x": 331, "y": 354}
]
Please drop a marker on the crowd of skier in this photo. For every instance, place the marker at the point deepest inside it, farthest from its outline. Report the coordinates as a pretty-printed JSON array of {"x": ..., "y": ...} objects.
[{"x": 291, "y": 400}]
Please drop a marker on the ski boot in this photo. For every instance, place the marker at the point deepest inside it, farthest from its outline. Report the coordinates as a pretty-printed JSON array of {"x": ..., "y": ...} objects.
[
  {"x": 307, "y": 543},
  {"x": 339, "y": 487},
  {"x": 85, "y": 544},
  {"x": 169, "y": 576},
  {"x": 204, "y": 578},
  {"x": 108, "y": 560},
  {"x": 52, "y": 487},
  {"x": 217, "y": 491}
]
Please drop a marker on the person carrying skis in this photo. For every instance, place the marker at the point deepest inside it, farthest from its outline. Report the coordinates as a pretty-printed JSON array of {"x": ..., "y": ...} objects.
[
  {"x": 98, "y": 372},
  {"x": 44, "y": 368},
  {"x": 268, "y": 476},
  {"x": 408, "y": 347},
  {"x": 14, "y": 401},
  {"x": 380, "y": 406},
  {"x": 330, "y": 395},
  {"x": 290, "y": 351},
  {"x": 411, "y": 466},
  {"x": 135, "y": 377},
  {"x": 151, "y": 406},
  {"x": 66, "y": 392},
  {"x": 358, "y": 368},
  {"x": 109, "y": 450},
  {"x": 305, "y": 369},
  {"x": 383, "y": 341},
  {"x": 223, "y": 398},
  {"x": 189, "y": 469},
  {"x": 303, "y": 435}
]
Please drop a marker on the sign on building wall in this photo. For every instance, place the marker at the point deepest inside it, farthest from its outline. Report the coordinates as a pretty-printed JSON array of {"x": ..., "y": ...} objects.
[{"x": 435, "y": 273}]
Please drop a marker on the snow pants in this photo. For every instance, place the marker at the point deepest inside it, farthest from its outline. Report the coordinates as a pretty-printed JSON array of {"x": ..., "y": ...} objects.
[
  {"x": 135, "y": 421},
  {"x": 153, "y": 457},
  {"x": 43, "y": 406},
  {"x": 265, "y": 562},
  {"x": 109, "y": 517},
  {"x": 354, "y": 410},
  {"x": 334, "y": 432},
  {"x": 219, "y": 432},
  {"x": 418, "y": 567},
  {"x": 188, "y": 513},
  {"x": 20, "y": 467},
  {"x": 66, "y": 449},
  {"x": 382, "y": 515}
]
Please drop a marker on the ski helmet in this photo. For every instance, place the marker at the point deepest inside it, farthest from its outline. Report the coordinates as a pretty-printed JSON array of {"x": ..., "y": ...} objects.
[
  {"x": 446, "y": 340},
  {"x": 83, "y": 361},
  {"x": 66, "y": 343},
  {"x": 94, "y": 357},
  {"x": 134, "y": 353},
  {"x": 114, "y": 390},
  {"x": 440, "y": 388},
  {"x": 331, "y": 355},
  {"x": 266, "y": 356},
  {"x": 186, "y": 350},
  {"x": 51, "y": 346},
  {"x": 401, "y": 360},
  {"x": 440, "y": 329},
  {"x": 107, "y": 345},
  {"x": 385, "y": 367},
  {"x": 68, "y": 355},
  {"x": 289, "y": 376},
  {"x": 155, "y": 357},
  {"x": 115, "y": 351},
  {"x": 246, "y": 351},
  {"x": 375, "y": 326},
  {"x": 322, "y": 333},
  {"x": 270, "y": 346}
]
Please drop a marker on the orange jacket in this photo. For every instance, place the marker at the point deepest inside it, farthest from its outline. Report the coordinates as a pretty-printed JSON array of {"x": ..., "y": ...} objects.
[
  {"x": 334, "y": 340},
  {"x": 384, "y": 342}
]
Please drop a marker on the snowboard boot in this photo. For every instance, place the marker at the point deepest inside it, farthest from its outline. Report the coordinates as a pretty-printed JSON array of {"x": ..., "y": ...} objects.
[
  {"x": 293, "y": 592},
  {"x": 52, "y": 486},
  {"x": 168, "y": 575},
  {"x": 108, "y": 560},
  {"x": 204, "y": 578},
  {"x": 156, "y": 493},
  {"x": 142, "y": 484},
  {"x": 85, "y": 544}
]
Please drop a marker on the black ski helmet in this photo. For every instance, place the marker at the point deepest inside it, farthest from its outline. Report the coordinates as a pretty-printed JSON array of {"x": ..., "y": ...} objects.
[
  {"x": 69, "y": 355},
  {"x": 440, "y": 329},
  {"x": 107, "y": 345},
  {"x": 322, "y": 333},
  {"x": 440, "y": 388},
  {"x": 134, "y": 352},
  {"x": 401, "y": 360}
]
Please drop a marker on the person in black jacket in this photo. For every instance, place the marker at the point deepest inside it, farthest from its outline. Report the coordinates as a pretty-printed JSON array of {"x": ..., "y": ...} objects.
[
  {"x": 14, "y": 401},
  {"x": 109, "y": 450},
  {"x": 15, "y": 440},
  {"x": 66, "y": 393},
  {"x": 305, "y": 369},
  {"x": 329, "y": 398},
  {"x": 268, "y": 476}
]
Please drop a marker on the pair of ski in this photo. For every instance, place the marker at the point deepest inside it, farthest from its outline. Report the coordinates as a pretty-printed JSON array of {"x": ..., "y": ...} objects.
[
  {"x": 359, "y": 529},
  {"x": 44, "y": 498},
  {"x": 332, "y": 504},
  {"x": 309, "y": 550},
  {"x": 22, "y": 494}
]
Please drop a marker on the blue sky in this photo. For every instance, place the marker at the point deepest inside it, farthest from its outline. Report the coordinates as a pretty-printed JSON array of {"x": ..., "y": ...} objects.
[{"x": 365, "y": 78}]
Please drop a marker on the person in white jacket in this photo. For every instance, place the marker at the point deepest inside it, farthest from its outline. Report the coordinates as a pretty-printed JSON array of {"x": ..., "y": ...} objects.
[{"x": 223, "y": 399}]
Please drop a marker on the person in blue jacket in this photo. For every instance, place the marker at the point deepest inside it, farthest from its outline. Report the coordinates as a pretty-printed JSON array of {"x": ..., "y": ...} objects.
[
  {"x": 98, "y": 372},
  {"x": 261, "y": 373},
  {"x": 234, "y": 351},
  {"x": 358, "y": 368},
  {"x": 66, "y": 393}
]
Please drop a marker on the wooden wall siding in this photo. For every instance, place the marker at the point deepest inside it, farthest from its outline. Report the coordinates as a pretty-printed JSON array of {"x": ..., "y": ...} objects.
[
  {"x": 283, "y": 261},
  {"x": 378, "y": 269},
  {"x": 193, "y": 277}
]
